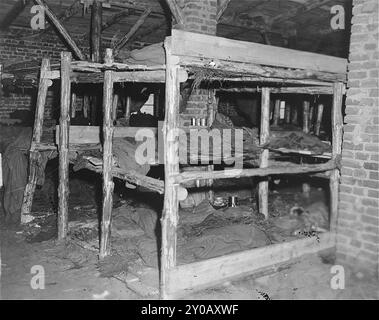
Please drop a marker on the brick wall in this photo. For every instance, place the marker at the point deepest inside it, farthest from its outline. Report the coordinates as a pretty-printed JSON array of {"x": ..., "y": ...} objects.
[
  {"x": 358, "y": 222},
  {"x": 18, "y": 45},
  {"x": 200, "y": 17}
]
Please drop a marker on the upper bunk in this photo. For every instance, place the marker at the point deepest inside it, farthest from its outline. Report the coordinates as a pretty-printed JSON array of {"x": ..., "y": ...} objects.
[{"x": 203, "y": 57}]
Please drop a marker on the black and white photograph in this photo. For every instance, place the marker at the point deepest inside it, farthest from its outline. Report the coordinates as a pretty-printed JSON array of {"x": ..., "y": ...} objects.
[{"x": 189, "y": 157}]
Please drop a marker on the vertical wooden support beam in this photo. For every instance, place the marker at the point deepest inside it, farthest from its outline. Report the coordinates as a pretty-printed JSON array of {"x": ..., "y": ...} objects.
[
  {"x": 320, "y": 111},
  {"x": 276, "y": 115},
  {"x": 96, "y": 22},
  {"x": 108, "y": 185},
  {"x": 114, "y": 106},
  {"x": 264, "y": 137},
  {"x": 287, "y": 113},
  {"x": 86, "y": 106},
  {"x": 294, "y": 118},
  {"x": 306, "y": 105},
  {"x": 311, "y": 117},
  {"x": 169, "y": 219},
  {"x": 43, "y": 86},
  {"x": 73, "y": 105},
  {"x": 64, "y": 125},
  {"x": 128, "y": 108},
  {"x": 337, "y": 131}
]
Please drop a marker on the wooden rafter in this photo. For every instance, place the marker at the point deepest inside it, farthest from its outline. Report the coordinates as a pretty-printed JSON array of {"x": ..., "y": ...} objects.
[
  {"x": 221, "y": 9},
  {"x": 66, "y": 14},
  {"x": 122, "y": 42},
  {"x": 307, "y": 6},
  {"x": 175, "y": 11},
  {"x": 61, "y": 29},
  {"x": 18, "y": 7}
]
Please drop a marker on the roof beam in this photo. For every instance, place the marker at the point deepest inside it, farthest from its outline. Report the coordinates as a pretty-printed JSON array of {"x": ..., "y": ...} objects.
[
  {"x": 61, "y": 29},
  {"x": 175, "y": 11},
  {"x": 122, "y": 42}
]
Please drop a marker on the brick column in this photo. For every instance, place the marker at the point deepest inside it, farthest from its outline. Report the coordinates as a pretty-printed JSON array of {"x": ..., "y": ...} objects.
[
  {"x": 200, "y": 17},
  {"x": 358, "y": 221}
]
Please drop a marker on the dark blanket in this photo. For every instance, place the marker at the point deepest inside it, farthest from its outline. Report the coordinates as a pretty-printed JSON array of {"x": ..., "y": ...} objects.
[{"x": 14, "y": 145}]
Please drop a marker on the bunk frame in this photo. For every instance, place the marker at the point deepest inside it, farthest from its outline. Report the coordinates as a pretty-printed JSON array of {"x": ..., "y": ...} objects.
[{"x": 279, "y": 69}]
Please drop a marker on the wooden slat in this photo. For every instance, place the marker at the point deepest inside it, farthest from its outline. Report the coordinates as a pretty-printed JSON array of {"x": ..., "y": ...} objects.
[
  {"x": 199, "y": 275},
  {"x": 200, "y": 45}
]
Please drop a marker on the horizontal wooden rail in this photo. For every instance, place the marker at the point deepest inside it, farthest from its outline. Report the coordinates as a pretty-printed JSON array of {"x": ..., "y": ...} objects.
[
  {"x": 202, "y": 274},
  {"x": 255, "y": 172}
]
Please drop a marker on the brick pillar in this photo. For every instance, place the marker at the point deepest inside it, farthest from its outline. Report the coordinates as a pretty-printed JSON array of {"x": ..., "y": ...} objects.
[
  {"x": 200, "y": 17},
  {"x": 358, "y": 221}
]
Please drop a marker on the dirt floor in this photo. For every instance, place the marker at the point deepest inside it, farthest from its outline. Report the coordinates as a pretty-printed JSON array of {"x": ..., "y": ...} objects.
[{"x": 73, "y": 271}]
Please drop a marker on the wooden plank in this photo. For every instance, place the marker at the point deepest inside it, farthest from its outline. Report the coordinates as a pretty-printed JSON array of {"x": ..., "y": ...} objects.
[
  {"x": 169, "y": 220},
  {"x": 205, "y": 46},
  {"x": 306, "y": 109},
  {"x": 291, "y": 90},
  {"x": 203, "y": 274},
  {"x": 263, "y": 139},
  {"x": 108, "y": 185},
  {"x": 175, "y": 11},
  {"x": 91, "y": 134},
  {"x": 36, "y": 139},
  {"x": 124, "y": 40},
  {"x": 61, "y": 29},
  {"x": 337, "y": 132},
  {"x": 276, "y": 112},
  {"x": 64, "y": 124},
  {"x": 255, "y": 172}
]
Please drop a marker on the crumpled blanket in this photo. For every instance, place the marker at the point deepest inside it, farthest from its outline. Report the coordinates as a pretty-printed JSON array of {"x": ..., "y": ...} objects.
[{"x": 15, "y": 171}]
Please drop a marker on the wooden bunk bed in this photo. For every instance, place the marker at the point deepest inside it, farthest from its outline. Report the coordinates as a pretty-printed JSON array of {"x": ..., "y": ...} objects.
[{"x": 236, "y": 64}]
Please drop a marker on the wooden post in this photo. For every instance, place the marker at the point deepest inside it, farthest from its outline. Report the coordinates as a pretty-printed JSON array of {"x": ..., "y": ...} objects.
[
  {"x": 64, "y": 125},
  {"x": 169, "y": 219},
  {"x": 43, "y": 86},
  {"x": 96, "y": 22},
  {"x": 73, "y": 105},
  {"x": 276, "y": 112},
  {"x": 311, "y": 116},
  {"x": 85, "y": 105},
  {"x": 320, "y": 111},
  {"x": 264, "y": 137},
  {"x": 337, "y": 131},
  {"x": 306, "y": 187},
  {"x": 128, "y": 108},
  {"x": 306, "y": 105},
  {"x": 108, "y": 185},
  {"x": 114, "y": 106},
  {"x": 294, "y": 115},
  {"x": 287, "y": 113}
]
